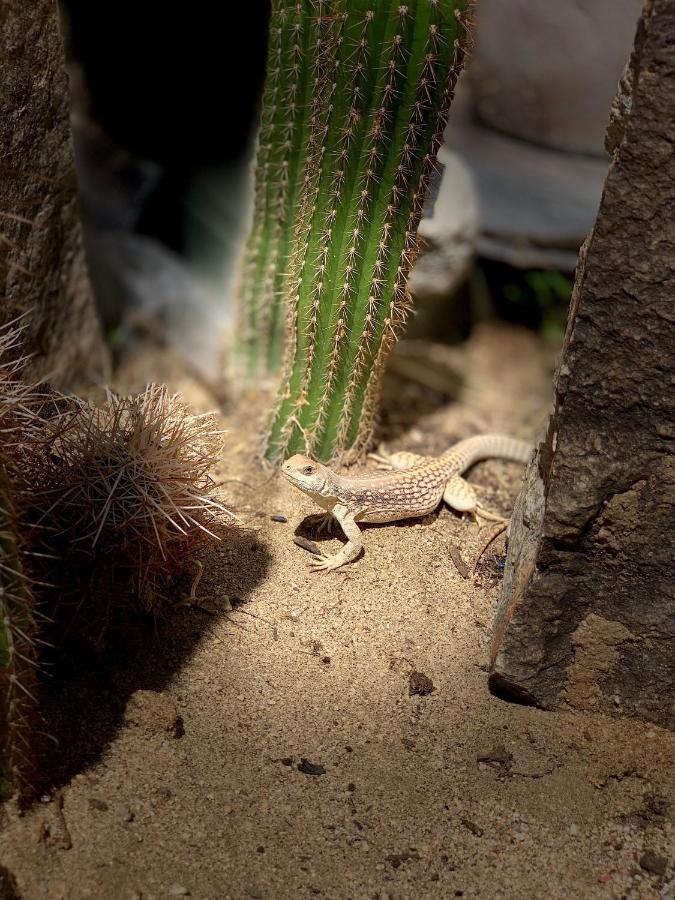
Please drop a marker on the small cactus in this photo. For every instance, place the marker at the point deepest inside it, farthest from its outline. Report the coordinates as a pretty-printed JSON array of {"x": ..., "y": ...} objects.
[
  {"x": 376, "y": 81},
  {"x": 123, "y": 496}
]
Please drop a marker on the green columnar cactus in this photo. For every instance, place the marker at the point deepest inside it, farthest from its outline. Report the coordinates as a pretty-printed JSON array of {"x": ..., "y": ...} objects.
[
  {"x": 294, "y": 34},
  {"x": 377, "y": 81},
  {"x": 17, "y": 654}
]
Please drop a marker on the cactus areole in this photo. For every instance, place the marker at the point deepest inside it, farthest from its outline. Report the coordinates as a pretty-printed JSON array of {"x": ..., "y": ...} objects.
[{"x": 356, "y": 100}]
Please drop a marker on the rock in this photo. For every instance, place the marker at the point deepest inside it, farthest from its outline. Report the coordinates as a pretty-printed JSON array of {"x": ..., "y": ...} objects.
[
  {"x": 536, "y": 204},
  {"x": 309, "y": 768},
  {"x": 472, "y": 827},
  {"x": 586, "y": 609},
  {"x": 125, "y": 814},
  {"x": 520, "y": 74},
  {"x": 653, "y": 863},
  {"x": 496, "y": 758},
  {"x": 42, "y": 266},
  {"x": 449, "y": 231},
  {"x": 420, "y": 684},
  {"x": 178, "y": 890},
  {"x": 306, "y": 544}
]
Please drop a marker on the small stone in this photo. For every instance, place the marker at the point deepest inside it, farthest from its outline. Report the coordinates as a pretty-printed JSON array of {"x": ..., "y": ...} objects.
[
  {"x": 472, "y": 827},
  {"x": 179, "y": 890},
  {"x": 125, "y": 814},
  {"x": 281, "y": 519},
  {"x": 495, "y": 758},
  {"x": 307, "y": 545},
  {"x": 653, "y": 862},
  {"x": 420, "y": 684},
  {"x": 309, "y": 768},
  {"x": 574, "y": 829}
]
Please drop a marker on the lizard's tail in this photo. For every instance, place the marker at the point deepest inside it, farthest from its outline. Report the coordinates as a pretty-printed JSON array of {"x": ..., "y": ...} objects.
[{"x": 488, "y": 446}]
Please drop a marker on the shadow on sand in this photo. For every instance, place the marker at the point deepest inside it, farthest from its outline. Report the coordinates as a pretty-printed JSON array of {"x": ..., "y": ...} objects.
[{"x": 86, "y": 696}]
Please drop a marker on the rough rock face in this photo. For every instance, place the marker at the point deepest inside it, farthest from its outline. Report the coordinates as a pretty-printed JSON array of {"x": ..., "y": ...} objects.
[
  {"x": 42, "y": 268},
  {"x": 586, "y": 615}
]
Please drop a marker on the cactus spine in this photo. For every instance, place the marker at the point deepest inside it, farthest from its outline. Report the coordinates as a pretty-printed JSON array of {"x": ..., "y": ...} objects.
[{"x": 382, "y": 78}]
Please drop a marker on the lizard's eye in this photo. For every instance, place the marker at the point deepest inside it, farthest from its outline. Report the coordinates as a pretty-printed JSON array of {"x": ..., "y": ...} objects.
[{"x": 308, "y": 470}]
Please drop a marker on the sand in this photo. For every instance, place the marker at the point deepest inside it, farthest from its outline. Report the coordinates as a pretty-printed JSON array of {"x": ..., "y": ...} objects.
[{"x": 266, "y": 742}]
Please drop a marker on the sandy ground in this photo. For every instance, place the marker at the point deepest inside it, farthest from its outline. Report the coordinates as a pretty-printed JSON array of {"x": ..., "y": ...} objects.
[{"x": 266, "y": 743}]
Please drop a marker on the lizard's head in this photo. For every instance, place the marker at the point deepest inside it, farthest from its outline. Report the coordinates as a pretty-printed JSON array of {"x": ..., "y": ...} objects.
[{"x": 307, "y": 475}]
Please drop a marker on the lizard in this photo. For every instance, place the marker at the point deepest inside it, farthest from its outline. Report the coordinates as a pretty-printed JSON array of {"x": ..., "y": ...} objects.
[{"x": 414, "y": 487}]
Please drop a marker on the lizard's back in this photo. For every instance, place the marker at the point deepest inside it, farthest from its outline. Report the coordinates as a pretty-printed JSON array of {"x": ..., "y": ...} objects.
[{"x": 402, "y": 494}]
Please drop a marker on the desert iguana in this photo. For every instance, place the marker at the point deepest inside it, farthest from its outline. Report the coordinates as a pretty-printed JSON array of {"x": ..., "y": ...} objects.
[{"x": 414, "y": 487}]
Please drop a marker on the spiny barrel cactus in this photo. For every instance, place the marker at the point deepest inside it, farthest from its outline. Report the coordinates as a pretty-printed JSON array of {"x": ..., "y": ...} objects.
[
  {"x": 123, "y": 497},
  {"x": 354, "y": 110}
]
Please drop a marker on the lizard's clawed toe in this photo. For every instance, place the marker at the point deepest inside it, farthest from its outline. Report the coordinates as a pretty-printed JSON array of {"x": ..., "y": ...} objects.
[{"x": 325, "y": 563}]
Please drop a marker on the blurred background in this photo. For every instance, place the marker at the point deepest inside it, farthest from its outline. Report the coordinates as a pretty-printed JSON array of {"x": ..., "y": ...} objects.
[{"x": 165, "y": 105}]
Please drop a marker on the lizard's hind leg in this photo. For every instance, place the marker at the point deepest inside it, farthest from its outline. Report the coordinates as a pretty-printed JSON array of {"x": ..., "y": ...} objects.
[
  {"x": 401, "y": 460},
  {"x": 461, "y": 496}
]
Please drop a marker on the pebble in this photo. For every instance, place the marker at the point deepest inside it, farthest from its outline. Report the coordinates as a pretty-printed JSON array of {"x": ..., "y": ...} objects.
[
  {"x": 653, "y": 862},
  {"x": 574, "y": 829},
  {"x": 281, "y": 519},
  {"x": 306, "y": 544},
  {"x": 179, "y": 890},
  {"x": 420, "y": 684},
  {"x": 310, "y": 768},
  {"x": 125, "y": 813}
]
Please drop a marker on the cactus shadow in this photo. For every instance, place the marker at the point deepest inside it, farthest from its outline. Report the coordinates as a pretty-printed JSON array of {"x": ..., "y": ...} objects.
[{"x": 86, "y": 694}]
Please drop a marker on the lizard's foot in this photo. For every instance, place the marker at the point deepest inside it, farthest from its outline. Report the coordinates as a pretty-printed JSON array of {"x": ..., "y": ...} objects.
[
  {"x": 323, "y": 563},
  {"x": 382, "y": 458}
]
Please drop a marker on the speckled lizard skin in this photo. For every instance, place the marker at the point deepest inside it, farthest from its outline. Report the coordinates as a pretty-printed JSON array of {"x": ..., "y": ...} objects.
[{"x": 414, "y": 487}]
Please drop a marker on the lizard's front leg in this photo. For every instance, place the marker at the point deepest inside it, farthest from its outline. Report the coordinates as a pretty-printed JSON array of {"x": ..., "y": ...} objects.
[{"x": 350, "y": 550}]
